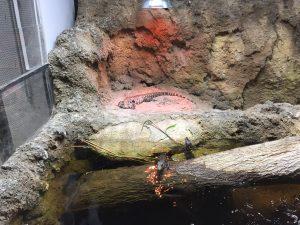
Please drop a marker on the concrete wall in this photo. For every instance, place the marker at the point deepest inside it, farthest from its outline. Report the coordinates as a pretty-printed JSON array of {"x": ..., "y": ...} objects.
[{"x": 56, "y": 16}]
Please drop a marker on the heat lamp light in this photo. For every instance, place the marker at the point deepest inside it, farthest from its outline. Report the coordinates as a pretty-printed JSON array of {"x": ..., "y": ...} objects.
[{"x": 157, "y": 4}]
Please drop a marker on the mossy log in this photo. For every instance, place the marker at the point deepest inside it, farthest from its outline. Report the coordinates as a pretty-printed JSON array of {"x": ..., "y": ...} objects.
[{"x": 266, "y": 162}]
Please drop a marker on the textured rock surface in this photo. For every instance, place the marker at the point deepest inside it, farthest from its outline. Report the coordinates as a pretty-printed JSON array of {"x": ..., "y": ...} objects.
[
  {"x": 234, "y": 53},
  {"x": 22, "y": 176},
  {"x": 214, "y": 129}
]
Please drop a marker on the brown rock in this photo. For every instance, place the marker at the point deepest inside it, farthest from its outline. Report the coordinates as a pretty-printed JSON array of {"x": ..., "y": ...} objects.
[{"x": 231, "y": 52}]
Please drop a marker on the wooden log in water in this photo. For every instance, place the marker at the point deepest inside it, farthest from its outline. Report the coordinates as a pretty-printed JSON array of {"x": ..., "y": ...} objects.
[{"x": 238, "y": 167}]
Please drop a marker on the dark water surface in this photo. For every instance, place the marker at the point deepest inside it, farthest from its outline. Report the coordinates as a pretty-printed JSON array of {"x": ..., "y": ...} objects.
[
  {"x": 261, "y": 205},
  {"x": 264, "y": 205}
]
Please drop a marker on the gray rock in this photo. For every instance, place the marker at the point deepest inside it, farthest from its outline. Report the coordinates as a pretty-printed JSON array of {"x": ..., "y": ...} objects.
[{"x": 233, "y": 53}]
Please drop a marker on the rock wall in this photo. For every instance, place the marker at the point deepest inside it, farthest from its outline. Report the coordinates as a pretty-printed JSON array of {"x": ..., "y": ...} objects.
[{"x": 234, "y": 53}]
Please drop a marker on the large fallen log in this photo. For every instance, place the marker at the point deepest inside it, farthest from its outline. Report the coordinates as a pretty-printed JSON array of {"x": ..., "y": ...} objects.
[{"x": 238, "y": 167}]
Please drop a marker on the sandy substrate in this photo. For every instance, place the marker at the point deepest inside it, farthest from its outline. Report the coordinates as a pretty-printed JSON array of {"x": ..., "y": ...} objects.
[{"x": 161, "y": 104}]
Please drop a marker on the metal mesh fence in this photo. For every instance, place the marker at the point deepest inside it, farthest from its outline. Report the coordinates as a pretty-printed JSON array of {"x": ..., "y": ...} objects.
[
  {"x": 6, "y": 144},
  {"x": 25, "y": 105},
  {"x": 27, "y": 18},
  {"x": 11, "y": 63},
  {"x": 25, "y": 93}
]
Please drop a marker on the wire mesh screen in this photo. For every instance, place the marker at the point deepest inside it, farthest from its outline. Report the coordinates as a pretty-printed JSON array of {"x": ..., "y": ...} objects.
[
  {"x": 6, "y": 144},
  {"x": 25, "y": 106},
  {"x": 27, "y": 19},
  {"x": 25, "y": 93},
  {"x": 11, "y": 63}
]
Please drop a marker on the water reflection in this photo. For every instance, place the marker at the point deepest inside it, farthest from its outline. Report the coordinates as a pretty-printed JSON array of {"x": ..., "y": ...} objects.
[
  {"x": 260, "y": 205},
  {"x": 264, "y": 205},
  {"x": 273, "y": 204}
]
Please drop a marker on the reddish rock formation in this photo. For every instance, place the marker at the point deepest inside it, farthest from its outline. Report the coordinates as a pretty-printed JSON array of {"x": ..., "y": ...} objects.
[{"x": 233, "y": 53}]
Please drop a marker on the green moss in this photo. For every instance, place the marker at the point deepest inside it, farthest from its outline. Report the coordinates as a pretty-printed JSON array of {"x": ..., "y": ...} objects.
[
  {"x": 55, "y": 196},
  {"x": 197, "y": 153},
  {"x": 224, "y": 144},
  {"x": 53, "y": 203},
  {"x": 211, "y": 147}
]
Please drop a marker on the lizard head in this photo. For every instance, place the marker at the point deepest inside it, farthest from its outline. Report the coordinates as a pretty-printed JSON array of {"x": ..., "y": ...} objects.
[{"x": 127, "y": 104}]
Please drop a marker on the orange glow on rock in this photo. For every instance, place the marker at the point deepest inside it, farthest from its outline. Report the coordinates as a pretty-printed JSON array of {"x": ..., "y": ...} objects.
[
  {"x": 146, "y": 39},
  {"x": 156, "y": 27},
  {"x": 162, "y": 28},
  {"x": 150, "y": 54}
]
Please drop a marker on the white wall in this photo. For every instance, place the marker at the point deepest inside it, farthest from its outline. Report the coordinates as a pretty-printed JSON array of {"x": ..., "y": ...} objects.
[{"x": 56, "y": 16}]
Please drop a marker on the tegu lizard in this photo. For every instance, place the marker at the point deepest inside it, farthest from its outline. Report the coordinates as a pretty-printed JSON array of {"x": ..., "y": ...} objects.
[{"x": 131, "y": 102}]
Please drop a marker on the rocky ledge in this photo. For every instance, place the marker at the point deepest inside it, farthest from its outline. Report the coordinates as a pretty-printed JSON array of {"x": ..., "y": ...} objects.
[{"x": 23, "y": 177}]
